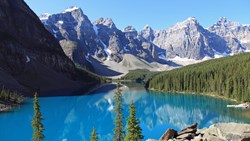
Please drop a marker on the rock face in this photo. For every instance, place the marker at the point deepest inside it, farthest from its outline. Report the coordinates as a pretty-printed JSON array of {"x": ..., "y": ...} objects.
[
  {"x": 188, "y": 39},
  {"x": 216, "y": 132},
  {"x": 236, "y": 35},
  {"x": 169, "y": 134},
  {"x": 31, "y": 58},
  {"x": 101, "y": 39},
  {"x": 227, "y": 131},
  {"x": 75, "y": 33}
]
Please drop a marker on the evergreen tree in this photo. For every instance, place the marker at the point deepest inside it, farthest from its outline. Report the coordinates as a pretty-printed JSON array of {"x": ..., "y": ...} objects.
[
  {"x": 94, "y": 135},
  {"x": 119, "y": 127},
  {"x": 37, "y": 121},
  {"x": 133, "y": 126}
]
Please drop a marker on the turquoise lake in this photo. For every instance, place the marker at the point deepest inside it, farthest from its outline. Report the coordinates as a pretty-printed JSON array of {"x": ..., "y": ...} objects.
[{"x": 71, "y": 118}]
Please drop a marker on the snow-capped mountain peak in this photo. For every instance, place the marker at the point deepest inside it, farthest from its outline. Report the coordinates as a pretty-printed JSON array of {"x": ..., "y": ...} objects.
[
  {"x": 71, "y": 9},
  {"x": 192, "y": 19},
  {"x": 189, "y": 20},
  {"x": 186, "y": 23},
  {"x": 147, "y": 27},
  {"x": 105, "y": 42},
  {"x": 44, "y": 16}
]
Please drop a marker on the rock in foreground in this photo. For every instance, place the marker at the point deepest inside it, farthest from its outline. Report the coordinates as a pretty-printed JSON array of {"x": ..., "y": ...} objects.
[
  {"x": 216, "y": 132},
  {"x": 227, "y": 132}
]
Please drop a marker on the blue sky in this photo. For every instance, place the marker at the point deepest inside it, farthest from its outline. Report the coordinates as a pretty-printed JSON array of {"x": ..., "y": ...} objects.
[{"x": 159, "y": 14}]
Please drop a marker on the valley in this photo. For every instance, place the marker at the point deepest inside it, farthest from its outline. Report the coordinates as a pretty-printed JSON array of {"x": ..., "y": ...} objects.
[{"x": 77, "y": 75}]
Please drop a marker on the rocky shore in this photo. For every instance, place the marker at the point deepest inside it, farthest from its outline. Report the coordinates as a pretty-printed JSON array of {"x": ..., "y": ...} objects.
[
  {"x": 216, "y": 132},
  {"x": 5, "y": 108}
]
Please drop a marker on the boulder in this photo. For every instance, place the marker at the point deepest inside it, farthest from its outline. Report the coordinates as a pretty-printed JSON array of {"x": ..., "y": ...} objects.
[
  {"x": 169, "y": 134},
  {"x": 187, "y": 136},
  {"x": 189, "y": 129},
  {"x": 197, "y": 139}
]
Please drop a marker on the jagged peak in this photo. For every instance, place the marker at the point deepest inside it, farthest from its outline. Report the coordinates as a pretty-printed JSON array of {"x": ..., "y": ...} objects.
[
  {"x": 223, "y": 19},
  {"x": 106, "y": 22},
  {"x": 147, "y": 27},
  {"x": 186, "y": 23},
  {"x": 129, "y": 29},
  {"x": 224, "y": 22},
  {"x": 44, "y": 16},
  {"x": 71, "y": 9},
  {"x": 190, "y": 20}
]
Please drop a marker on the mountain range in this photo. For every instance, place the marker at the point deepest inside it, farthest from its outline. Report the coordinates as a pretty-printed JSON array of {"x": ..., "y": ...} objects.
[{"x": 106, "y": 50}]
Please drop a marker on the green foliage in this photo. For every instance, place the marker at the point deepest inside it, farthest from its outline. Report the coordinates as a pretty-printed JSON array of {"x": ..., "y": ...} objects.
[
  {"x": 37, "y": 121},
  {"x": 119, "y": 127},
  {"x": 228, "y": 77},
  {"x": 133, "y": 126},
  {"x": 88, "y": 76},
  {"x": 139, "y": 75},
  {"x": 7, "y": 96},
  {"x": 94, "y": 136}
]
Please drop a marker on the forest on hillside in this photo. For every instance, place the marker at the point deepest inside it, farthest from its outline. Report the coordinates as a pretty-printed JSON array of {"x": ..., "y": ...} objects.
[
  {"x": 228, "y": 77},
  {"x": 139, "y": 75}
]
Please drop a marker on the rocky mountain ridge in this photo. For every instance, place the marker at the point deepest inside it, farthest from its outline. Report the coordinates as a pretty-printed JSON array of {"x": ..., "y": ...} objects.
[
  {"x": 85, "y": 42},
  {"x": 101, "y": 40}
]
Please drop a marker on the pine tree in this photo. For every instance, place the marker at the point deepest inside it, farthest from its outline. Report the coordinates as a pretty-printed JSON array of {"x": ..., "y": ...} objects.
[
  {"x": 119, "y": 127},
  {"x": 37, "y": 121},
  {"x": 133, "y": 126},
  {"x": 94, "y": 136}
]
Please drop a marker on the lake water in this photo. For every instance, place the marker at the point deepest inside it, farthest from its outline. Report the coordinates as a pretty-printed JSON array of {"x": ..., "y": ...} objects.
[{"x": 72, "y": 118}]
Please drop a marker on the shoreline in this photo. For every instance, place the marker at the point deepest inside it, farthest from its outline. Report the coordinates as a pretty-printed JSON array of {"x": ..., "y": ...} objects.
[
  {"x": 6, "y": 107},
  {"x": 204, "y": 94}
]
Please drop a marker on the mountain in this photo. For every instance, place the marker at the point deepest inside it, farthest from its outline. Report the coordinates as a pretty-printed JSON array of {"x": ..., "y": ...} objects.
[
  {"x": 94, "y": 45},
  {"x": 31, "y": 58},
  {"x": 188, "y": 39},
  {"x": 75, "y": 33},
  {"x": 100, "y": 46},
  {"x": 236, "y": 35},
  {"x": 209, "y": 77}
]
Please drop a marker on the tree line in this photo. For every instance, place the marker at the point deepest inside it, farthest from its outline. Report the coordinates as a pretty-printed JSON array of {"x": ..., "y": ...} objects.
[
  {"x": 7, "y": 96},
  {"x": 228, "y": 77},
  {"x": 134, "y": 131}
]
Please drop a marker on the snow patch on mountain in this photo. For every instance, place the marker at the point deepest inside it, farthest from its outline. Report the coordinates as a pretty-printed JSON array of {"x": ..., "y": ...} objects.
[
  {"x": 187, "y": 61},
  {"x": 27, "y": 59},
  {"x": 162, "y": 55},
  {"x": 55, "y": 32},
  {"x": 60, "y": 22},
  {"x": 184, "y": 24},
  {"x": 125, "y": 48},
  {"x": 44, "y": 16},
  {"x": 177, "y": 58},
  {"x": 106, "y": 50},
  {"x": 87, "y": 58},
  {"x": 95, "y": 29},
  {"x": 219, "y": 55},
  {"x": 73, "y": 8}
]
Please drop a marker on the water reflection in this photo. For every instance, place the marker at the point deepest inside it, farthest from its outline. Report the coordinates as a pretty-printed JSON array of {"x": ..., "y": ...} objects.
[{"x": 72, "y": 118}]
